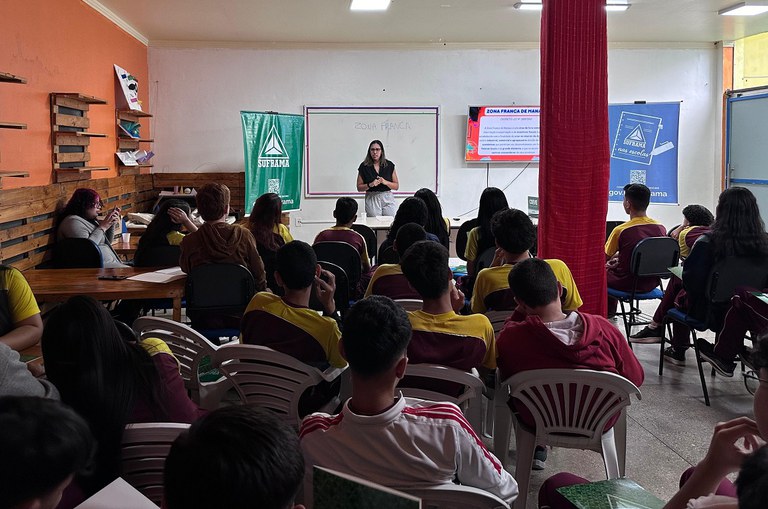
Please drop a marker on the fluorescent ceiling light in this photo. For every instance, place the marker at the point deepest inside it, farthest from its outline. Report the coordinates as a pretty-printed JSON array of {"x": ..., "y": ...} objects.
[
  {"x": 369, "y": 5},
  {"x": 534, "y": 5},
  {"x": 743, "y": 9}
]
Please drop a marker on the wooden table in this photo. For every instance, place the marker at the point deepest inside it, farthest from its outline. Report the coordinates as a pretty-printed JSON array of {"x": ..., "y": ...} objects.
[
  {"x": 58, "y": 285},
  {"x": 126, "y": 249}
]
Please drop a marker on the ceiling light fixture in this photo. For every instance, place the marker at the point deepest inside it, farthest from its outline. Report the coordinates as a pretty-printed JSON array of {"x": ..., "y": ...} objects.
[
  {"x": 369, "y": 5},
  {"x": 744, "y": 9},
  {"x": 536, "y": 5}
]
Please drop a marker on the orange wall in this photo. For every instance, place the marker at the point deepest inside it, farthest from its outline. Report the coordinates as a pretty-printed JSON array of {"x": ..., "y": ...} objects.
[{"x": 61, "y": 46}]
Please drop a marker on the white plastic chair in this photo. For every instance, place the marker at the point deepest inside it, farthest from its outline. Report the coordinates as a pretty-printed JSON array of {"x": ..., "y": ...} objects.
[
  {"x": 556, "y": 400},
  {"x": 497, "y": 319},
  {"x": 470, "y": 400},
  {"x": 144, "y": 449},
  {"x": 271, "y": 379},
  {"x": 189, "y": 347},
  {"x": 410, "y": 304},
  {"x": 456, "y": 496}
]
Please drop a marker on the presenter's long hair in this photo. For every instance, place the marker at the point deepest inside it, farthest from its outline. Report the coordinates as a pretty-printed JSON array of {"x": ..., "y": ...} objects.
[
  {"x": 265, "y": 216},
  {"x": 435, "y": 220},
  {"x": 738, "y": 229},
  {"x": 491, "y": 201},
  {"x": 101, "y": 375},
  {"x": 368, "y": 161}
]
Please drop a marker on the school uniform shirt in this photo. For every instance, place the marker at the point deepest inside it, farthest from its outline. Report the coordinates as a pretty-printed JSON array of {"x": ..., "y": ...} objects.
[
  {"x": 348, "y": 235},
  {"x": 174, "y": 238},
  {"x": 689, "y": 236},
  {"x": 293, "y": 330},
  {"x": 461, "y": 342},
  {"x": 284, "y": 232},
  {"x": 389, "y": 281},
  {"x": 412, "y": 444},
  {"x": 17, "y": 303},
  {"x": 495, "y": 279},
  {"x": 623, "y": 240}
]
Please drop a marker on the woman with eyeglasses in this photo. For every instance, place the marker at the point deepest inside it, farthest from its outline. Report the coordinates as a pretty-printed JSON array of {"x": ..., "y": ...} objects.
[
  {"x": 378, "y": 178},
  {"x": 80, "y": 220}
]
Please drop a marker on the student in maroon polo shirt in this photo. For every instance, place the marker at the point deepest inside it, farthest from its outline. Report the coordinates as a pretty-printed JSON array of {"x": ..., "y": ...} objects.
[
  {"x": 624, "y": 238},
  {"x": 389, "y": 280}
]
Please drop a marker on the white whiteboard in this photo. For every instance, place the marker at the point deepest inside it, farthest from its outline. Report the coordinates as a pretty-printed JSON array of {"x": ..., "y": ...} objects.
[{"x": 338, "y": 138}]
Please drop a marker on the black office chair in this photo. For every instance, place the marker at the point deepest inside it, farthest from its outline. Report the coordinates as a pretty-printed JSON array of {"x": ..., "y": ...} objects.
[
  {"x": 343, "y": 255},
  {"x": 724, "y": 278},
  {"x": 610, "y": 226},
  {"x": 651, "y": 257},
  {"x": 77, "y": 254},
  {"x": 461, "y": 237},
  {"x": 371, "y": 241},
  {"x": 388, "y": 255},
  {"x": 157, "y": 256},
  {"x": 217, "y": 295},
  {"x": 340, "y": 296}
]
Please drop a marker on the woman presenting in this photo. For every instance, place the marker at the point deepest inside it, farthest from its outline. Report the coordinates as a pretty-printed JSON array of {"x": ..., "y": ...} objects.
[{"x": 378, "y": 178}]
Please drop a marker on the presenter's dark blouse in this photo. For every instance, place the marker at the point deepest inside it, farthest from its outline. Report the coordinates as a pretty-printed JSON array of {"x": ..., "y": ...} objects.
[{"x": 369, "y": 174}]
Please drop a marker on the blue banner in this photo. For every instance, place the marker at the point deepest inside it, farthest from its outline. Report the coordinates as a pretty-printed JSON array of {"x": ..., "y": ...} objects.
[{"x": 643, "y": 144}]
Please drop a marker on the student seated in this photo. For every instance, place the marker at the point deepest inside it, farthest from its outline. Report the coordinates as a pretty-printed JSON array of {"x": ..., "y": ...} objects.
[
  {"x": 79, "y": 220},
  {"x": 218, "y": 242},
  {"x": 412, "y": 210},
  {"x": 440, "y": 335},
  {"x": 238, "y": 457},
  {"x": 164, "y": 230},
  {"x": 706, "y": 486},
  {"x": 550, "y": 338},
  {"x": 265, "y": 223},
  {"x": 697, "y": 220},
  {"x": 346, "y": 214},
  {"x": 515, "y": 234},
  {"x": 624, "y": 238},
  {"x": 389, "y": 280},
  {"x": 44, "y": 445},
  {"x": 286, "y": 323},
  {"x": 111, "y": 380},
  {"x": 388, "y": 439},
  {"x": 437, "y": 225},
  {"x": 480, "y": 237},
  {"x": 20, "y": 322}
]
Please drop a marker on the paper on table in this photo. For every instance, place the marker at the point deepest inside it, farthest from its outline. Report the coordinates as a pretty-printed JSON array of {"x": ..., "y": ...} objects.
[
  {"x": 118, "y": 495},
  {"x": 160, "y": 276},
  {"x": 677, "y": 271}
]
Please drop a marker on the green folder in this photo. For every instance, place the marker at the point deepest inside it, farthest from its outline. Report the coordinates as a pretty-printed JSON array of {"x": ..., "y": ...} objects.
[
  {"x": 335, "y": 490},
  {"x": 610, "y": 494}
]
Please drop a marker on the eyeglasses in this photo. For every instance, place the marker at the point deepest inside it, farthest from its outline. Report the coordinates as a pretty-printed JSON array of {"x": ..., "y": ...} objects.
[
  {"x": 98, "y": 204},
  {"x": 375, "y": 150},
  {"x": 752, "y": 381}
]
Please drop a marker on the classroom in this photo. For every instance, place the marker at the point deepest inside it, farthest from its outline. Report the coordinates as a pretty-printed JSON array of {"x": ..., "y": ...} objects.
[{"x": 199, "y": 64}]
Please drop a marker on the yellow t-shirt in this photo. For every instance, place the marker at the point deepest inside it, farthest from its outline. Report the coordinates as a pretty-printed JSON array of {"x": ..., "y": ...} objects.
[
  {"x": 284, "y": 232},
  {"x": 20, "y": 298},
  {"x": 471, "y": 327},
  {"x": 470, "y": 253},
  {"x": 495, "y": 278},
  {"x": 174, "y": 238}
]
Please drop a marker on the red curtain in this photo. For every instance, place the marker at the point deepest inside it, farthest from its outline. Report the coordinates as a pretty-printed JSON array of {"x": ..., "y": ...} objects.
[{"x": 574, "y": 167}]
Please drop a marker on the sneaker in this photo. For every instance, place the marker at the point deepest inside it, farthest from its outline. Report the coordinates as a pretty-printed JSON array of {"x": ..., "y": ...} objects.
[
  {"x": 676, "y": 357},
  {"x": 539, "y": 458},
  {"x": 648, "y": 335},
  {"x": 707, "y": 352}
]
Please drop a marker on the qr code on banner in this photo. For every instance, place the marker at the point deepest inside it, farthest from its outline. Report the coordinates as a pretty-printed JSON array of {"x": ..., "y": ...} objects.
[
  {"x": 273, "y": 186},
  {"x": 637, "y": 177}
]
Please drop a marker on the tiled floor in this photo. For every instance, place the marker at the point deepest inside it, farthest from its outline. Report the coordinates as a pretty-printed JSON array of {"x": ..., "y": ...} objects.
[{"x": 668, "y": 430}]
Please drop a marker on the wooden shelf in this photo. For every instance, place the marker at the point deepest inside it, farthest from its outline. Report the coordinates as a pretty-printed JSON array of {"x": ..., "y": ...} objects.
[
  {"x": 6, "y": 77},
  {"x": 88, "y": 99},
  {"x": 82, "y": 169},
  {"x": 132, "y": 113},
  {"x": 136, "y": 140},
  {"x": 9, "y": 173},
  {"x": 82, "y": 134},
  {"x": 12, "y": 125}
]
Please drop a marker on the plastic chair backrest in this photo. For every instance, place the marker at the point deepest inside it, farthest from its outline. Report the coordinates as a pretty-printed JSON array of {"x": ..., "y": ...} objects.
[
  {"x": 484, "y": 260},
  {"x": 157, "y": 256},
  {"x": 556, "y": 400},
  {"x": 224, "y": 287},
  {"x": 343, "y": 255},
  {"x": 498, "y": 318},
  {"x": 76, "y": 253},
  {"x": 341, "y": 295},
  {"x": 266, "y": 378},
  {"x": 461, "y": 237},
  {"x": 653, "y": 255},
  {"x": 469, "y": 400},
  {"x": 371, "y": 240},
  {"x": 410, "y": 304},
  {"x": 456, "y": 496},
  {"x": 186, "y": 344},
  {"x": 388, "y": 255},
  {"x": 144, "y": 449},
  {"x": 730, "y": 273}
]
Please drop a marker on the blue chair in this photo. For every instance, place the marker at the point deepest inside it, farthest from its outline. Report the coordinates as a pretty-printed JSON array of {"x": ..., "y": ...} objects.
[{"x": 651, "y": 257}]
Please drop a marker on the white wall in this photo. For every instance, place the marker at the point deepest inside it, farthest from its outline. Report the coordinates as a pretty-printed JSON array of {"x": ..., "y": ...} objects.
[{"x": 197, "y": 94}]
